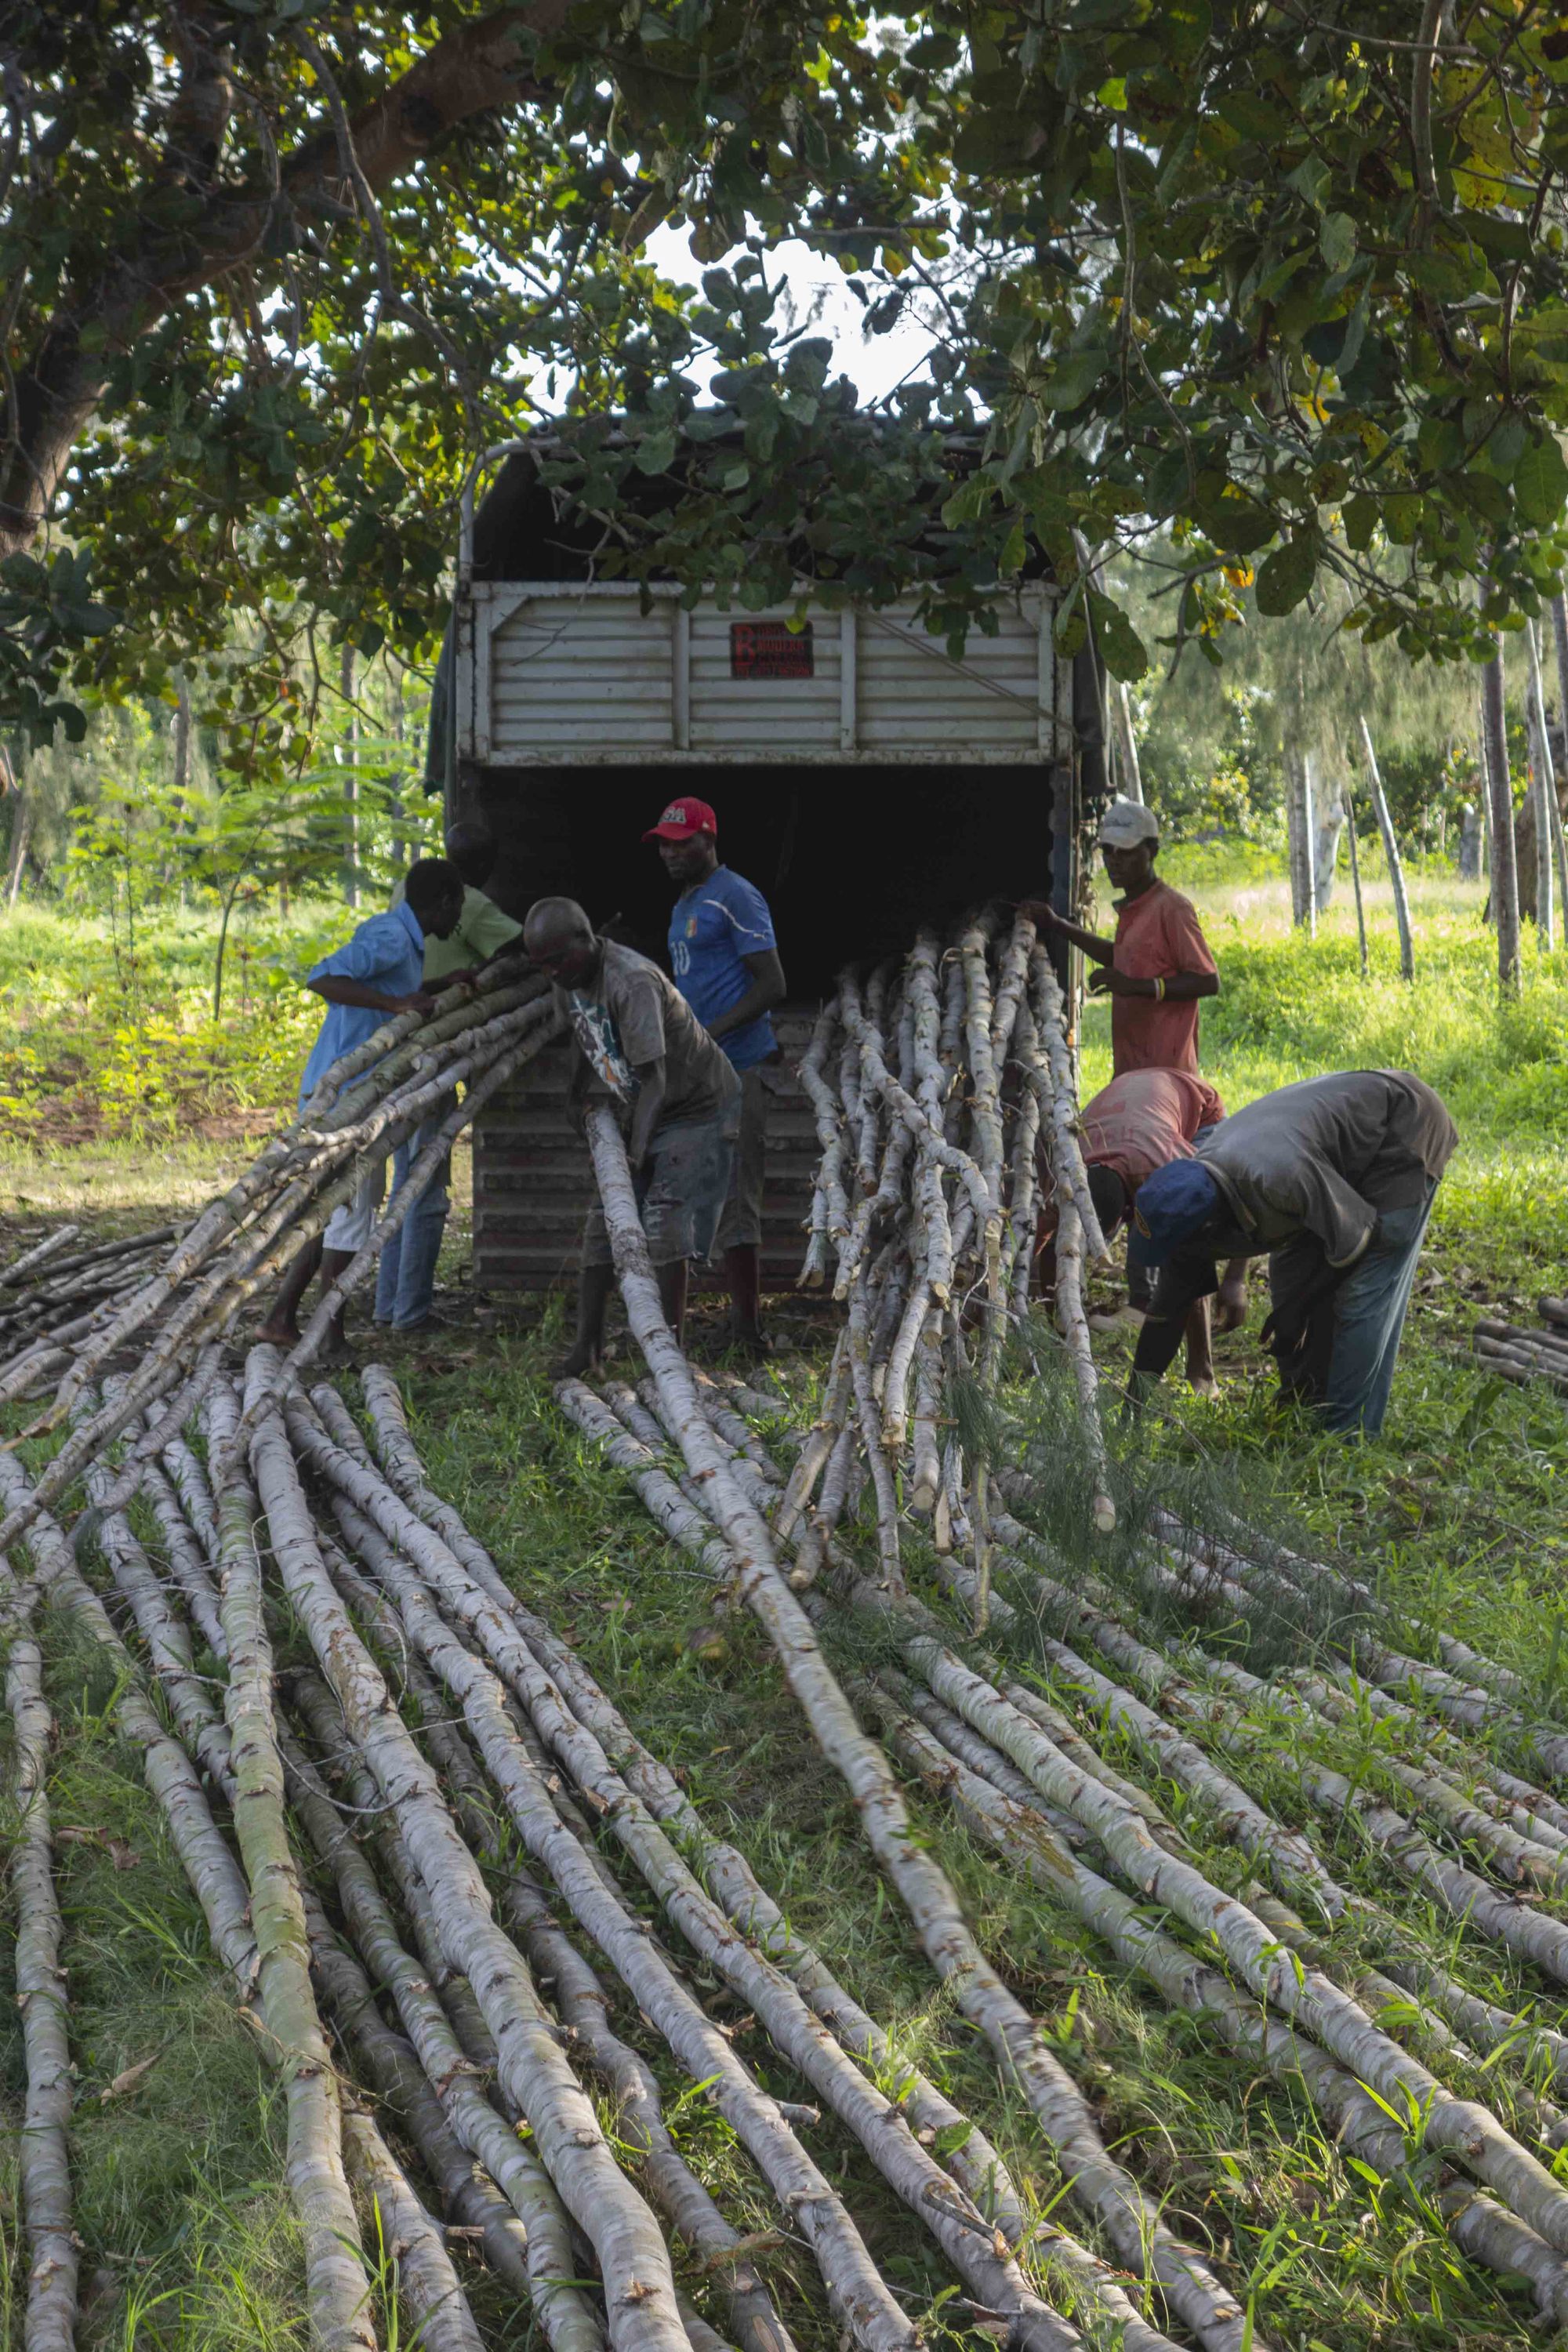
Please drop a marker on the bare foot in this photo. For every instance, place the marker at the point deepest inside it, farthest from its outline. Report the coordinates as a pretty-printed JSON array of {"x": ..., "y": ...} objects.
[
  {"x": 580, "y": 1358},
  {"x": 335, "y": 1349},
  {"x": 1203, "y": 1385},
  {"x": 279, "y": 1335}
]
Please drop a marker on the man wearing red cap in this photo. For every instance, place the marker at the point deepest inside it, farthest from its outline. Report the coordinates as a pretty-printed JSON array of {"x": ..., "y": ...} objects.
[{"x": 726, "y": 964}]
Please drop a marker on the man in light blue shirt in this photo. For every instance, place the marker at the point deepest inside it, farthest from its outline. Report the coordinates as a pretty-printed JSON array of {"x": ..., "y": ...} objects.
[
  {"x": 726, "y": 964},
  {"x": 375, "y": 975}
]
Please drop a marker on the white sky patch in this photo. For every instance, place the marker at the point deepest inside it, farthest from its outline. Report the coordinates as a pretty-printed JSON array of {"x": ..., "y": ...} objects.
[{"x": 817, "y": 296}]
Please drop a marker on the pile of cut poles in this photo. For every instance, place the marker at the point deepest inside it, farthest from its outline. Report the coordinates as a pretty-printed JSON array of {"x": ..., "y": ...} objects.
[
  {"x": 52, "y": 1286},
  {"x": 1517, "y": 1353},
  {"x": 939, "y": 1086},
  {"x": 173, "y": 1309},
  {"x": 1052, "y": 1750},
  {"x": 425, "y": 1840}
]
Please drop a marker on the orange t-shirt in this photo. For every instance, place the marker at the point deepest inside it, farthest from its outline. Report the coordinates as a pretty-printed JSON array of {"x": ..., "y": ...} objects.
[
  {"x": 1157, "y": 935},
  {"x": 1145, "y": 1118}
]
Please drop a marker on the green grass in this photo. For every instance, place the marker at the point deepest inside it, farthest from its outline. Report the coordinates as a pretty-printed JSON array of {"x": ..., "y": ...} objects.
[
  {"x": 1457, "y": 1512},
  {"x": 107, "y": 1038}
]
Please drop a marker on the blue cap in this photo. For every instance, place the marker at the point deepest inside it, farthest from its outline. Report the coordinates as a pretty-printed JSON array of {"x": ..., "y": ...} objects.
[{"x": 1170, "y": 1207}]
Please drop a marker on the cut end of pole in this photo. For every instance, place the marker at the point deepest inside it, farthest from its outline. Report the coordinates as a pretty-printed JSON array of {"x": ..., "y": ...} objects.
[{"x": 1104, "y": 1515}]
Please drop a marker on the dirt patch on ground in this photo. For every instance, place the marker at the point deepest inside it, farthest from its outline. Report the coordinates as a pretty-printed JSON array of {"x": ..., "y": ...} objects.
[{"x": 234, "y": 1126}]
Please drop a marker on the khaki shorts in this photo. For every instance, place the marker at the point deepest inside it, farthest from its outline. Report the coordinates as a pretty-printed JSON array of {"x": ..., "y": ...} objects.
[
  {"x": 351, "y": 1226},
  {"x": 681, "y": 1192},
  {"x": 741, "y": 1227}
]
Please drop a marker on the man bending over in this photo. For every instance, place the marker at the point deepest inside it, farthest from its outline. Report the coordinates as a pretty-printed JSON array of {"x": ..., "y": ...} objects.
[
  {"x": 1334, "y": 1179},
  {"x": 640, "y": 1046},
  {"x": 1138, "y": 1123}
]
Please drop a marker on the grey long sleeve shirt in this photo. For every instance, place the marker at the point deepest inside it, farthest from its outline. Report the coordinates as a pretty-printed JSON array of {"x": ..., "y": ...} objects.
[{"x": 1326, "y": 1156}]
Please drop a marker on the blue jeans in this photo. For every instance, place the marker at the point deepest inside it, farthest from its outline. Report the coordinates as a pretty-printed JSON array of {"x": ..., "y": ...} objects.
[
  {"x": 1337, "y": 1346},
  {"x": 1369, "y": 1321},
  {"x": 406, "y": 1277}
]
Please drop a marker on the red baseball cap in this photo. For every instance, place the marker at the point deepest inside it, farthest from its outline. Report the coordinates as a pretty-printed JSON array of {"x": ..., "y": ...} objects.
[{"x": 683, "y": 821}]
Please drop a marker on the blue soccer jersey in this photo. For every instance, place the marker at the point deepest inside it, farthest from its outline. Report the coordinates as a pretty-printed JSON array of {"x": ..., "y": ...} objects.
[{"x": 712, "y": 927}]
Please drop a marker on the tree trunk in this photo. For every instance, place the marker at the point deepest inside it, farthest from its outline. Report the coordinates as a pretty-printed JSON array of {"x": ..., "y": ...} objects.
[
  {"x": 1326, "y": 841},
  {"x": 1472, "y": 835},
  {"x": 476, "y": 67},
  {"x": 1543, "y": 796},
  {"x": 350, "y": 784},
  {"x": 21, "y": 835},
  {"x": 1395, "y": 867},
  {"x": 1560, "y": 643},
  {"x": 1298, "y": 836},
  {"x": 1129, "y": 770},
  {"x": 1355, "y": 879},
  {"x": 182, "y": 740},
  {"x": 1560, "y": 638},
  {"x": 1505, "y": 874}
]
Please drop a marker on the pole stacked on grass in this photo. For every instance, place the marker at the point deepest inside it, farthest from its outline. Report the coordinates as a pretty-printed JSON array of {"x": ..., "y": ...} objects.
[{"x": 952, "y": 1067}]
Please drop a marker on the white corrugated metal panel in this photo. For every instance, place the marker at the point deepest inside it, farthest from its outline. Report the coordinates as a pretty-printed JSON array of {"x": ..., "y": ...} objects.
[
  {"x": 569, "y": 675},
  {"x": 583, "y": 674},
  {"x": 910, "y": 695},
  {"x": 788, "y": 714}
]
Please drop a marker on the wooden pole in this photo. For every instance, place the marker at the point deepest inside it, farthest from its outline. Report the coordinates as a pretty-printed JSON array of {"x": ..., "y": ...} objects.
[
  {"x": 1505, "y": 873},
  {"x": 1395, "y": 867},
  {"x": 1355, "y": 876}
]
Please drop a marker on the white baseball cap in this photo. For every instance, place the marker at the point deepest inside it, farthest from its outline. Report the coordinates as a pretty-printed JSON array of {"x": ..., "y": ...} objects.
[{"x": 1127, "y": 823}]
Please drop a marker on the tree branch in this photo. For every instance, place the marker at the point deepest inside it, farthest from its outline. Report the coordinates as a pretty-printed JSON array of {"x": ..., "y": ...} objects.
[{"x": 477, "y": 68}]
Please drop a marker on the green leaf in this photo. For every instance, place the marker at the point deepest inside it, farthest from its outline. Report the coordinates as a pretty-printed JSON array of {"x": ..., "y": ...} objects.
[
  {"x": 1014, "y": 552},
  {"x": 1336, "y": 239},
  {"x": 1073, "y": 381},
  {"x": 1121, "y": 649},
  {"x": 1286, "y": 576},
  {"x": 1070, "y": 629},
  {"x": 1360, "y": 521},
  {"x": 1309, "y": 179},
  {"x": 1540, "y": 485},
  {"x": 1238, "y": 526}
]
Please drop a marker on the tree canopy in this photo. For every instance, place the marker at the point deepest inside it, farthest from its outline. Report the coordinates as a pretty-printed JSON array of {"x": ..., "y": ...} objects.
[{"x": 1285, "y": 281}]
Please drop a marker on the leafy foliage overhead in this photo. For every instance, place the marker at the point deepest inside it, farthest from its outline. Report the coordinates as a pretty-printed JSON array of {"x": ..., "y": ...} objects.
[{"x": 1286, "y": 280}]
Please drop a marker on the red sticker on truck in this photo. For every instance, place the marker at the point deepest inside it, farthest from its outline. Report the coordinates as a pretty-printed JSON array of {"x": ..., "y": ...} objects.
[{"x": 771, "y": 649}]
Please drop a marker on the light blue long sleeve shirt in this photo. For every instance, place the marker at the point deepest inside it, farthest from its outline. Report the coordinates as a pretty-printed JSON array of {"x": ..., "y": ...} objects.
[{"x": 388, "y": 951}]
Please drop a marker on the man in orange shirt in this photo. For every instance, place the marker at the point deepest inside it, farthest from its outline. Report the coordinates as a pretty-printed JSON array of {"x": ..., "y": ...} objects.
[
  {"x": 1141, "y": 1122},
  {"x": 1158, "y": 967}
]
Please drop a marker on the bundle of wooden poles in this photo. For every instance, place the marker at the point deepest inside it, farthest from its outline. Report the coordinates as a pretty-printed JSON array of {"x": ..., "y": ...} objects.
[
  {"x": 1426, "y": 2000},
  {"x": 1517, "y": 1353},
  {"x": 939, "y": 1086},
  {"x": 169, "y": 1314}
]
